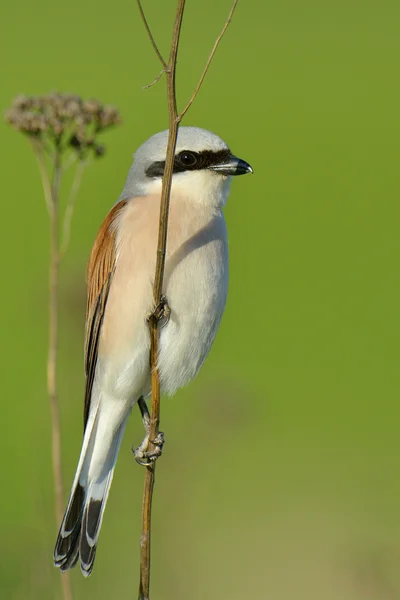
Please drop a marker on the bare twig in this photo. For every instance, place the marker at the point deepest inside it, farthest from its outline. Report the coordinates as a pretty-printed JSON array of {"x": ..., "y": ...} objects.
[
  {"x": 69, "y": 162},
  {"x": 39, "y": 152},
  {"x": 162, "y": 61},
  {"x": 52, "y": 356},
  {"x": 174, "y": 120},
  {"x": 51, "y": 194},
  {"x": 169, "y": 161},
  {"x": 144, "y": 585},
  {"x": 69, "y": 211},
  {"x": 214, "y": 49},
  {"x": 149, "y": 85}
]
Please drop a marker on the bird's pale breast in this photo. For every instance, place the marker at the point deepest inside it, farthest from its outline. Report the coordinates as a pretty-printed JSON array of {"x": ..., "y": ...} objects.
[{"x": 195, "y": 284}]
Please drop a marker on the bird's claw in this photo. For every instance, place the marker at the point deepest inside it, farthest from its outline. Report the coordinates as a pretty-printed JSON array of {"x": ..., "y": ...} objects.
[
  {"x": 146, "y": 457},
  {"x": 161, "y": 313}
]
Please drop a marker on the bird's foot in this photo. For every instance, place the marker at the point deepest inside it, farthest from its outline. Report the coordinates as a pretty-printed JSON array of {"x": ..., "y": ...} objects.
[
  {"x": 146, "y": 457},
  {"x": 161, "y": 313}
]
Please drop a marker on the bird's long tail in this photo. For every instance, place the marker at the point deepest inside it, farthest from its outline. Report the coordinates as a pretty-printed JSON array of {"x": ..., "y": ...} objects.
[{"x": 79, "y": 531}]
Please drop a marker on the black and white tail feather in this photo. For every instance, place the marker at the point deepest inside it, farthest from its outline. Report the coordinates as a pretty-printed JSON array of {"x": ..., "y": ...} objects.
[{"x": 80, "y": 528}]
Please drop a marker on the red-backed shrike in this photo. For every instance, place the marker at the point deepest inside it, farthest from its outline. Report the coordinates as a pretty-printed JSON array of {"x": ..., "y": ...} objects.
[{"x": 120, "y": 298}]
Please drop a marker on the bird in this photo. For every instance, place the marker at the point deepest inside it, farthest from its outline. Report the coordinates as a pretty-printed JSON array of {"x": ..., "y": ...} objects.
[{"x": 120, "y": 276}]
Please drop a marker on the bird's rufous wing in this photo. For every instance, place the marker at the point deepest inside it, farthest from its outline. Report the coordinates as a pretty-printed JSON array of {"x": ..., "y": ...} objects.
[{"x": 99, "y": 276}]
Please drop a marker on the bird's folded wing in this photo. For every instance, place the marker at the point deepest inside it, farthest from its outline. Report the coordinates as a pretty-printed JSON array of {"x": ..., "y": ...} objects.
[{"x": 99, "y": 276}]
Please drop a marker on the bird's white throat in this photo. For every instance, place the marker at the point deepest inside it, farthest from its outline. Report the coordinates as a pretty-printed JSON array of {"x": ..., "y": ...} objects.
[{"x": 201, "y": 187}]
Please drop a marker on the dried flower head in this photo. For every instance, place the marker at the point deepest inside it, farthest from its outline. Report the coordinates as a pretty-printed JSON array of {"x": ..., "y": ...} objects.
[{"x": 63, "y": 120}]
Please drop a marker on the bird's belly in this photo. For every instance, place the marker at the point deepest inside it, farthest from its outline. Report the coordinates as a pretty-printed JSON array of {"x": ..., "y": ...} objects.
[
  {"x": 195, "y": 284},
  {"x": 196, "y": 292}
]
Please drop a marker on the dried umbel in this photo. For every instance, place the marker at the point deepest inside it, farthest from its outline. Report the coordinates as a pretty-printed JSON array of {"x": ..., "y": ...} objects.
[{"x": 63, "y": 120}]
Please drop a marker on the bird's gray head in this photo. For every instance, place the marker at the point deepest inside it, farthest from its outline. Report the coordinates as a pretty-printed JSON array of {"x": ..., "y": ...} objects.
[{"x": 203, "y": 165}]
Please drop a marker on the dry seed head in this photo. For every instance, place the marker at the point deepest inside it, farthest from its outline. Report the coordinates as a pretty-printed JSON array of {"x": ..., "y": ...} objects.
[{"x": 63, "y": 120}]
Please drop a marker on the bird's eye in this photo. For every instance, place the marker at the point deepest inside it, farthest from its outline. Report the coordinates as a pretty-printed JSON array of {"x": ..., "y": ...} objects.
[{"x": 187, "y": 159}]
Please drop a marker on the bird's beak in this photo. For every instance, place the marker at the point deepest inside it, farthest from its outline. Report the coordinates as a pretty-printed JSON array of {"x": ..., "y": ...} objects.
[{"x": 232, "y": 166}]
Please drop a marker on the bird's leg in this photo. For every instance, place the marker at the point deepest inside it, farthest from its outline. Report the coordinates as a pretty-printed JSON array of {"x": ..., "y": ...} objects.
[
  {"x": 146, "y": 457},
  {"x": 144, "y": 411},
  {"x": 142, "y": 454},
  {"x": 161, "y": 313}
]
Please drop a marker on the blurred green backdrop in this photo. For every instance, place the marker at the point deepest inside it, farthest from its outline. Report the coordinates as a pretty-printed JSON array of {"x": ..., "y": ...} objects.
[{"x": 280, "y": 477}]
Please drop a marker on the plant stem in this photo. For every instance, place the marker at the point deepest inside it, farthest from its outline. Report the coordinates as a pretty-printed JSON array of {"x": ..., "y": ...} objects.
[
  {"x": 174, "y": 120},
  {"x": 52, "y": 356},
  {"x": 153, "y": 42},
  {"x": 69, "y": 211},
  {"x": 144, "y": 586},
  {"x": 213, "y": 51}
]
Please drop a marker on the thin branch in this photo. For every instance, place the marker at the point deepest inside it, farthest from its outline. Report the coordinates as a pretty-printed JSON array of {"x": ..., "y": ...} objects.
[
  {"x": 53, "y": 352},
  {"x": 162, "y": 61},
  {"x": 169, "y": 161},
  {"x": 156, "y": 80},
  {"x": 144, "y": 585},
  {"x": 174, "y": 120},
  {"x": 214, "y": 49},
  {"x": 39, "y": 153},
  {"x": 69, "y": 162},
  {"x": 69, "y": 211}
]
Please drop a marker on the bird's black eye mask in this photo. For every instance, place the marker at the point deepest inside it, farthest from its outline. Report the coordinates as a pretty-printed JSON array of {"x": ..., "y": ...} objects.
[{"x": 187, "y": 160}]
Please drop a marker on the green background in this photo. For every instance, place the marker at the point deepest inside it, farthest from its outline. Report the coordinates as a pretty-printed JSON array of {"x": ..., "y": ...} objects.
[{"x": 280, "y": 475}]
